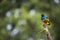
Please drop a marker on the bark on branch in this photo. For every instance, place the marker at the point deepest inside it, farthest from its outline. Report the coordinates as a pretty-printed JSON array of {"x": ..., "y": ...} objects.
[{"x": 47, "y": 32}]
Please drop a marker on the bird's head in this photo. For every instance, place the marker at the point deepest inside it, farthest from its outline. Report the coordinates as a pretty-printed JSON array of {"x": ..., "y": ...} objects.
[{"x": 42, "y": 15}]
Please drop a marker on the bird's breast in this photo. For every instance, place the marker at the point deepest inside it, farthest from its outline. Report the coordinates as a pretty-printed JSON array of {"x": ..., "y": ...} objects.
[{"x": 46, "y": 20}]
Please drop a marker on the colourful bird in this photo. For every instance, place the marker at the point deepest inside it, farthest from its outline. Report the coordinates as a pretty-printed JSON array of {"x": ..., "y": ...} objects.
[{"x": 45, "y": 19}]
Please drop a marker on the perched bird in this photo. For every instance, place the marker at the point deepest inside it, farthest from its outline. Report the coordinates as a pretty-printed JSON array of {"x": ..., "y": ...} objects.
[{"x": 45, "y": 19}]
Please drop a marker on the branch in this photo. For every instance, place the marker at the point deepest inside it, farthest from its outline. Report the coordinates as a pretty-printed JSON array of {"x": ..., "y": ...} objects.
[{"x": 47, "y": 32}]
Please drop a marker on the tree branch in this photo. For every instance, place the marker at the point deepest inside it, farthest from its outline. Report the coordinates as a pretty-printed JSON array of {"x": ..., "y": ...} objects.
[{"x": 47, "y": 32}]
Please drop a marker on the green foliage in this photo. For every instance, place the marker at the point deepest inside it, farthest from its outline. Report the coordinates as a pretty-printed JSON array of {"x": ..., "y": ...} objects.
[{"x": 33, "y": 24}]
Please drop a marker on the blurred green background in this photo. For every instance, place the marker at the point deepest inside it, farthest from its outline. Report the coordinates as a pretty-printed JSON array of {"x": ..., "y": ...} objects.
[{"x": 20, "y": 19}]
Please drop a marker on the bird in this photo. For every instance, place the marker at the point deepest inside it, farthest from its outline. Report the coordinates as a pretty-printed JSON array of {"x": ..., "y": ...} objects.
[{"x": 45, "y": 19}]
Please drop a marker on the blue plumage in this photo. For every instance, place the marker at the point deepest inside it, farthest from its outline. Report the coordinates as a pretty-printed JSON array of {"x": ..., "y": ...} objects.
[{"x": 43, "y": 16}]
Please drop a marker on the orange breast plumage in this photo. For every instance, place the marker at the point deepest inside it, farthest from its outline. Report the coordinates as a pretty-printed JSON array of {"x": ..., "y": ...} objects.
[{"x": 46, "y": 20}]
